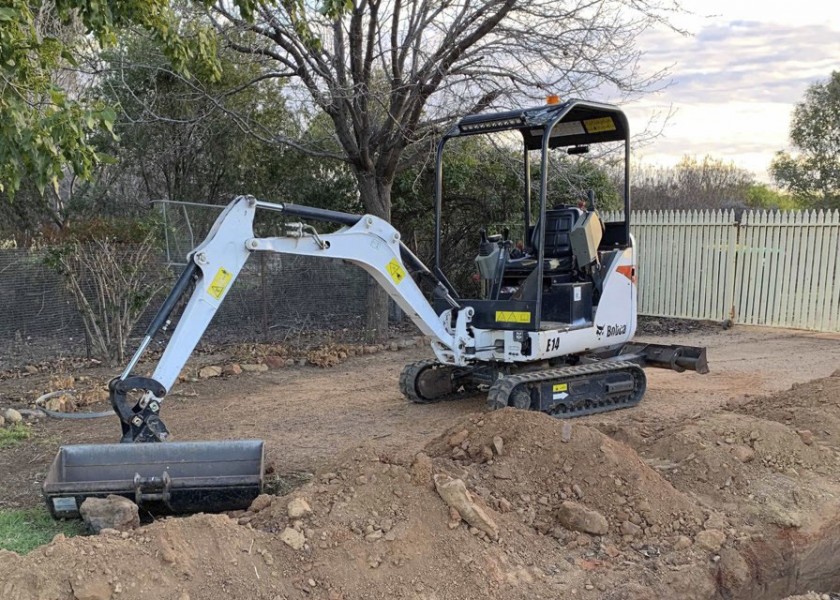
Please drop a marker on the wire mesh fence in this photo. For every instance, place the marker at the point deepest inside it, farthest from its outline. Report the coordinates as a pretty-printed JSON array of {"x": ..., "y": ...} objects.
[{"x": 276, "y": 298}]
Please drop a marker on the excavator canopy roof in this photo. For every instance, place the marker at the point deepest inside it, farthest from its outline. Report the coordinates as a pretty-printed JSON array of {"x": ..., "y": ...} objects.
[{"x": 581, "y": 122}]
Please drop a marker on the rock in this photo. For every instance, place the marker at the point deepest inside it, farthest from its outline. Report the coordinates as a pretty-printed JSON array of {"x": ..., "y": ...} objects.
[
  {"x": 498, "y": 445},
  {"x": 293, "y": 537},
  {"x": 486, "y": 453},
  {"x": 806, "y": 436},
  {"x": 577, "y": 517},
  {"x": 631, "y": 529},
  {"x": 93, "y": 396},
  {"x": 710, "y": 539},
  {"x": 566, "y": 432},
  {"x": 422, "y": 470},
  {"x": 255, "y": 368},
  {"x": 458, "y": 438},
  {"x": 113, "y": 512},
  {"x": 208, "y": 372},
  {"x": 30, "y": 369},
  {"x": 715, "y": 520},
  {"x": 261, "y": 502},
  {"x": 455, "y": 494},
  {"x": 734, "y": 570},
  {"x": 275, "y": 362},
  {"x": 92, "y": 588},
  {"x": 62, "y": 403},
  {"x": 12, "y": 416},
  {"x": 298, "y": 508},
  {"x": 375, "y": 535},
  {"x": 505, "y": 505},
  {"x": 578, "y": 492},
  {"x": 502, "y": 472},
  {"x": 231, "y": 369},
  {"x": 682, "y": 543},
  {"x": 2, "y": 420},
  {"x": 744, "y": 454}
]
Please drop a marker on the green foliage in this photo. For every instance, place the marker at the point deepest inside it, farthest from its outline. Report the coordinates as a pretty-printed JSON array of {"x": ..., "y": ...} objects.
[
  {"x": 571, "y": 179},
  {"x": 813, "y": 174},
  {"x": 206, "y": 140},
  {"x": 23, "y": 530},
  {"x": 9, "y": 436},
  {"x": 44, "y": 130},
  {"x": 761, "y": 195}
]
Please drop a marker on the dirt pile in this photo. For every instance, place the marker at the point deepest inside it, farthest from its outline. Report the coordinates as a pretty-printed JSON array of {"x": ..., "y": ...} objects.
[
  {"x": 205, "y": 556},
  {"x": 735, "y": 504}
]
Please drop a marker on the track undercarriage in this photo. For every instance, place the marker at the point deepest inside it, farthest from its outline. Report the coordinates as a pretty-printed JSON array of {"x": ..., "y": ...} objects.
[{"x": 593, "y": 385}]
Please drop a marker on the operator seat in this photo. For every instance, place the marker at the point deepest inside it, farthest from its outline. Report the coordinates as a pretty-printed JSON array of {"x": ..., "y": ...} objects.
[
  {"x": 557, "y": 255},
  {"x": 557, "y": 252}
]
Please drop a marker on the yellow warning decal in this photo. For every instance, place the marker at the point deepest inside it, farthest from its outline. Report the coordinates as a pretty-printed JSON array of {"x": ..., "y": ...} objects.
[
  {"x": 395, "y": 270},
  {"x": 220, "y": 283},
  {"x": 560, "y": 387},
  {"x": 599, "y": 125},
  {"x": 513, "y": 316}
]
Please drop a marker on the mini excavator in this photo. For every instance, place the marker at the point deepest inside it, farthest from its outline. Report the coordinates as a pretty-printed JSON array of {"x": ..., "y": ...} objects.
[{"x": 550, "y": 331}]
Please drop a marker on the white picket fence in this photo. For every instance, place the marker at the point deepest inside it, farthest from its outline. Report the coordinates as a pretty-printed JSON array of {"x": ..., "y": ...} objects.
[{"x": 773, "y": 268}]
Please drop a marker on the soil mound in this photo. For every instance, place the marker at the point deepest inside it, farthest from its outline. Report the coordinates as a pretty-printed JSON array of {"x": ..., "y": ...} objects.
[{"x": 734, "y": 504}]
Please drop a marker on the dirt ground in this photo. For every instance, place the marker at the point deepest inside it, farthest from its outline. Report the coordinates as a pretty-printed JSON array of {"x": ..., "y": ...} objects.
[{"x": 717, "y": 486}]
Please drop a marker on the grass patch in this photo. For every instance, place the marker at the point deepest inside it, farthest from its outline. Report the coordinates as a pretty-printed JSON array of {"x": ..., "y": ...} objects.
[
  {"x": 279, "y": 485},
  {"x": 9, "y": 436},
  {"x": 25, "y": 529}
]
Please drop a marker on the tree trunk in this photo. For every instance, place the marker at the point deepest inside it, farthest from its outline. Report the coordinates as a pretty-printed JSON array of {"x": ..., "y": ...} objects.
[{"x": 376, "y": 197}]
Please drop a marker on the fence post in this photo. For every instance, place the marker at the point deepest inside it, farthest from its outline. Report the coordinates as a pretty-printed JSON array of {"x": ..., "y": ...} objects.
[{"x": 264, "y": 297}]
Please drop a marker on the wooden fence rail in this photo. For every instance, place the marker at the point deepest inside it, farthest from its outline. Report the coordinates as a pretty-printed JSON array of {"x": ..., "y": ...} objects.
[{"x": 772, "y": 268}]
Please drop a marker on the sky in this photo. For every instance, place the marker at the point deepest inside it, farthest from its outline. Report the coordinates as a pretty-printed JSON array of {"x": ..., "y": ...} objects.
[{"x": 734, "y": 82}]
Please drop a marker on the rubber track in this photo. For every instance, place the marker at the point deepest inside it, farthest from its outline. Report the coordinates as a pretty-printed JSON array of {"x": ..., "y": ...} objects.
[
  {"x": 500, "y": 392},
  {"x": 409, "y": 375}
]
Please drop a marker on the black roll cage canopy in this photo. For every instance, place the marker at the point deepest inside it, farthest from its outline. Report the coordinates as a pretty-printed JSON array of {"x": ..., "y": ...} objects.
[{"x": 571, "y": 123}]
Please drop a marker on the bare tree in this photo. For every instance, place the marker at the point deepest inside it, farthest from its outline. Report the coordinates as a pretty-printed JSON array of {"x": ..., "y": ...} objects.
[
  {"x": 111, "y": 284},
  {"x": 692, "y": 184},
  {"x": 391, "y": 73}
]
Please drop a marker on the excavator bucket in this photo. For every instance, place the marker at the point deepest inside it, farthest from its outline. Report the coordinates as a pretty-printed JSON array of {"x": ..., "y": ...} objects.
[{"x": 163, "y": 478}]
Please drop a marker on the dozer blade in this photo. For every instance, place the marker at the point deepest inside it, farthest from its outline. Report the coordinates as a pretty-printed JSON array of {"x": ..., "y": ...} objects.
[
  {"x": 677, "y": 358},
  {"x": 163, "y": 478}
]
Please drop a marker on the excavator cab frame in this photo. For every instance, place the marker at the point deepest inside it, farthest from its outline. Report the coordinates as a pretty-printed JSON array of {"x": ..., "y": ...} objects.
[{"x": 575, "y": 124}]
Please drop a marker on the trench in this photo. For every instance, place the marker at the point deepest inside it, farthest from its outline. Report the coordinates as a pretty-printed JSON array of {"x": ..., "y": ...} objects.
[{"x": 790, "y": 563}]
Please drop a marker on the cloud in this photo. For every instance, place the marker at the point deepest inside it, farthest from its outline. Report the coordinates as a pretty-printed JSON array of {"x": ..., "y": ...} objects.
[
  {"x": 744, "y": 60},
  {"x": 733, "y": 86}
]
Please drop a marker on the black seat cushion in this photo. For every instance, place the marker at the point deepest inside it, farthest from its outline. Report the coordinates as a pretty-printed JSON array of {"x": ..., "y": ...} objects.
[{"x": 558, "y": 224}]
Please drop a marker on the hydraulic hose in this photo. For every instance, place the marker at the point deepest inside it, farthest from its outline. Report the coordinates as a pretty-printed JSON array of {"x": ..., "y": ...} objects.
[{"x": 61, "y": 415}]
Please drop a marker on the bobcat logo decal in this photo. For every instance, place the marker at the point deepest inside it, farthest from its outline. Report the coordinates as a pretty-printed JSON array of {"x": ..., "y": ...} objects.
[{"x": 611, "y": 330}]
